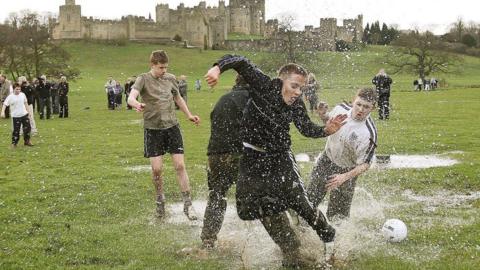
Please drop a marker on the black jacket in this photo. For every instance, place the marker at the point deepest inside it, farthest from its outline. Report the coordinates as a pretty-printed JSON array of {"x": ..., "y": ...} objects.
[
  {"x": 382, "y": 84},
  {"x": 226, "y": 120},
  {"x": 28, "y": 91},
  {"x": 63, "y": 89},
  {"x": 267, "y": 118},
  {"x": 43, "y": 89}
]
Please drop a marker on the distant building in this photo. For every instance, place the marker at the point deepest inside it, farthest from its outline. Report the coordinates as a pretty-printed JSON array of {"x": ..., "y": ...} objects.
[
  {"x": 203, "y": 26},
  {"x": 199, "y": 26}
]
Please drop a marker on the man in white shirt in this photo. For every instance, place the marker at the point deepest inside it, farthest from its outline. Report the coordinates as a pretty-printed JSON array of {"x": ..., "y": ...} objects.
[
  {"x": 348, "y": 153},
  {"x": 18, "y": 110}
]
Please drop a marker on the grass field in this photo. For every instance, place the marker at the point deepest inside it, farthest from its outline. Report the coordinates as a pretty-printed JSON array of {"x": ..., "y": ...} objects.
[{"x": 70, "y": 202}]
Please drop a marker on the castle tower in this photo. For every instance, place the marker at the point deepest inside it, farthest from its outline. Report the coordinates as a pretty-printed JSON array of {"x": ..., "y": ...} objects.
[
  {"x": 162, "y": 14},
  {"x": 70, "y": 20},
  {"x": 328, "y": 27},
  {"x": 257, "y": 17}
]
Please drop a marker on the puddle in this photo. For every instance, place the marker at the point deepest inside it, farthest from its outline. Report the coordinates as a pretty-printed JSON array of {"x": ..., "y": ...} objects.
[
  {"x": 248, "y": 242},
  {"x": 136, "y": 122},
  {"x": 139, "y": 168},
  {"x": 443, "y": 198},
  {"x": 397, "y": 161},
  {"x": 413, "y": 161}
]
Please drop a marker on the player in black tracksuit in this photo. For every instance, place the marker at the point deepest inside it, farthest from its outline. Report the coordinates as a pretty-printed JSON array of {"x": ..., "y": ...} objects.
[
  {"x": 382, "y": 84},
  {"x": 269, "y": 181},
  {"x": 224, "y": 151}
]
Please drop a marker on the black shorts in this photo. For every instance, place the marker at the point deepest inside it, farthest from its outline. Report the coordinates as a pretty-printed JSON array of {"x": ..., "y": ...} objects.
[{"x": 157, "y": 142}]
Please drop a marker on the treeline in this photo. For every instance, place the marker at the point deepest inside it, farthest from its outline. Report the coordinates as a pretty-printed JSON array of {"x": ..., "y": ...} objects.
[
  {"x": 373, "y": 34},
  {"x": 26, "y": 49}
]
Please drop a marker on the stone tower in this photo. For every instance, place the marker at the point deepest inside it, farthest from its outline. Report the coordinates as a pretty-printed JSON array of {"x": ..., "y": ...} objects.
[
  {"x": 239, "y": 17},
  {"x": 257, "y": 17},
  {"x": 70, "y": 20},
  {"x": 328, "y": 27},
  {"x": 247, "y": 16},
  {"x": 162, "y": 14}
]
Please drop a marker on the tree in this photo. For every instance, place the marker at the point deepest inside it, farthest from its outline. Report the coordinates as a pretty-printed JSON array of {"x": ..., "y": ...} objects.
[
  {"x": 458, "y": 29},
  {"x": 420, "y": 54},
  {"x": 366, "y": 35},
  {"x": 28, "y": 50},
  {"x": 469, "y": 40},
  {"x": 291, "y": 50}
]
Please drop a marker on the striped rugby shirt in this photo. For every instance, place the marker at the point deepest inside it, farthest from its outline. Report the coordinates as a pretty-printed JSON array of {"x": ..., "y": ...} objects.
[{"x": 354, "y": 143}]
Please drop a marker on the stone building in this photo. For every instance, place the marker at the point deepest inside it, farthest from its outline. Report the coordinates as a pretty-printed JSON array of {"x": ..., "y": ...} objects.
[
  {"x": 199, "y": 25},
  {"x": 323, "y": 37}
]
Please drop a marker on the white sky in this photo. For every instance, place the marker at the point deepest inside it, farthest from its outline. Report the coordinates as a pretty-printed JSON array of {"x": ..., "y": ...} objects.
[{"x": 434, "y": 15}]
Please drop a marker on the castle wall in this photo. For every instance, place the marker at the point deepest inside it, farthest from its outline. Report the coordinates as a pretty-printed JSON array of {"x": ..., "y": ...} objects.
[
  {"x": 239, "y": 20},
  {"x": 104, "y": 29},
  {"x": 202, "y": 26}
]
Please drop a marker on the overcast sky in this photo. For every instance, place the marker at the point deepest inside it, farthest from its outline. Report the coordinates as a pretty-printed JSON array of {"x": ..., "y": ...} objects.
[{"x": 434, "y": 15}]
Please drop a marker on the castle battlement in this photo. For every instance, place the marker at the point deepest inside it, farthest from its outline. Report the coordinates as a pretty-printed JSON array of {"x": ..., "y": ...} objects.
[{"x": 200, "y": 25}]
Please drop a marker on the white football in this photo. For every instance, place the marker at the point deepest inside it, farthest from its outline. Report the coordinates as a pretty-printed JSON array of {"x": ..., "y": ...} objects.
[{"x": 394, "y": 230}]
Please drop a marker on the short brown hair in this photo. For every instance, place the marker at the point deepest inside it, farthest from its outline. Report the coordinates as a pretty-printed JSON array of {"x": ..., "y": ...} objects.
[
  {"x": 159, "y": 57},
  {"x": 292, "y": 69},
  {"x": 367, "y": 94},
  {"x": 15, "y": 85}
]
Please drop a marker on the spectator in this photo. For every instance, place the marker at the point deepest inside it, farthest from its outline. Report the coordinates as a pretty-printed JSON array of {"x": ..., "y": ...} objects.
[
  {"x": 43, "y": 89},
  {"x": 382, "y": 84},
  {"x": 63, "y": 89},
  {"x": 5, "y": 90},
  {"x": 110, "y": 90},
  {"x": 198, "y": 85},
  {"x": 18, "y": 104},
  {"x": 28, "y": 90}
]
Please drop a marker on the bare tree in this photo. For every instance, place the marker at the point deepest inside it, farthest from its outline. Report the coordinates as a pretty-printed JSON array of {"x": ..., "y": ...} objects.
[
  {"x": 26, "y": 48},
  {"x": 458, "y": 29},
  {"x": 421, "y": 54}
]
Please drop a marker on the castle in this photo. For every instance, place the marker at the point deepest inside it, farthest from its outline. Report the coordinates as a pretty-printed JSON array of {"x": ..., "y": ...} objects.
[
  {"x": 203, "y": 26},
  {"x": 199, "y": 26}
]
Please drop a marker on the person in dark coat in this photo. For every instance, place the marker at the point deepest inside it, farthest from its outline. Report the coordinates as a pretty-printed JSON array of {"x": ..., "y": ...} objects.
[
  {"x": 310, "y": 91},
  {"x": 382, "y": 84},
  {"x": 269, "y": 182},
  {"x": 224, "y": 152},
  {"x": 63, "y": 89},
  {"x": 43, "y": 89}
]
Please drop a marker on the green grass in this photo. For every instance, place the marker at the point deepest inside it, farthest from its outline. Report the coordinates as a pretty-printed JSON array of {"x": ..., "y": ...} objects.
[{"x": 69, "y": 202}]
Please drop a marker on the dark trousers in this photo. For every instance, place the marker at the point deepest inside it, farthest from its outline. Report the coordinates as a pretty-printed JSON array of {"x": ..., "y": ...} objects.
[
  {"x": 383, "y": 106},
  {"x": 269, "y": 184},
  {"x": 340, "y": 198},
  {"x": 7, "y": 111},
  {"x": 222, "y": 174},
  {"x": 118, "y": 100},
  {"x": 63, "y": 107},
  {"x": 55, "y": 104},
  {"x": 18, "y": 122},
  {"x": 36, "y": 103},
  {"x": 279, "y": 228},
  {"x": 111, "y": 100},
  {"x": 313, "y": 100},
  {"x": 45, "y": 102}
]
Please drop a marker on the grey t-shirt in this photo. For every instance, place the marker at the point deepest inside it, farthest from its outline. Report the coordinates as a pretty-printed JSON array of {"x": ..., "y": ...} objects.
[{"x": 158, "y": 94}]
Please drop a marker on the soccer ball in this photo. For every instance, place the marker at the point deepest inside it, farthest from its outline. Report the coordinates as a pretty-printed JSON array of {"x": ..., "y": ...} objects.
[{"x": 394, "y": 230}]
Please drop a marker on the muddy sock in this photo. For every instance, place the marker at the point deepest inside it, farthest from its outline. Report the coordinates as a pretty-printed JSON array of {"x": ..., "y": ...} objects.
[
  {"x": 161, "y": 197},
  {"x": 186, "y": 197}
]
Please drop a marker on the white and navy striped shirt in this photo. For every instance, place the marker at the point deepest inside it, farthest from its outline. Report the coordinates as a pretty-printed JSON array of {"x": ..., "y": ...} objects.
[{"x": 354, "y": 143}]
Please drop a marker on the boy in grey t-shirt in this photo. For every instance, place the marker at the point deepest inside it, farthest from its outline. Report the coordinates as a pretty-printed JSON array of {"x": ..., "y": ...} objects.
[{"x": 159, "y": 92}]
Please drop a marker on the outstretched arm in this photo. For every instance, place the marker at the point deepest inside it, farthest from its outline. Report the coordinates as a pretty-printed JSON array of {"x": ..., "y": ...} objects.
[
  {"x": 337, "y": 180},
  {"x": 132, "y": 101},
  {"x": 184, "y": 108},
  {"x": 252, "y": 75},
  {"x": 309, "y": 129}
]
